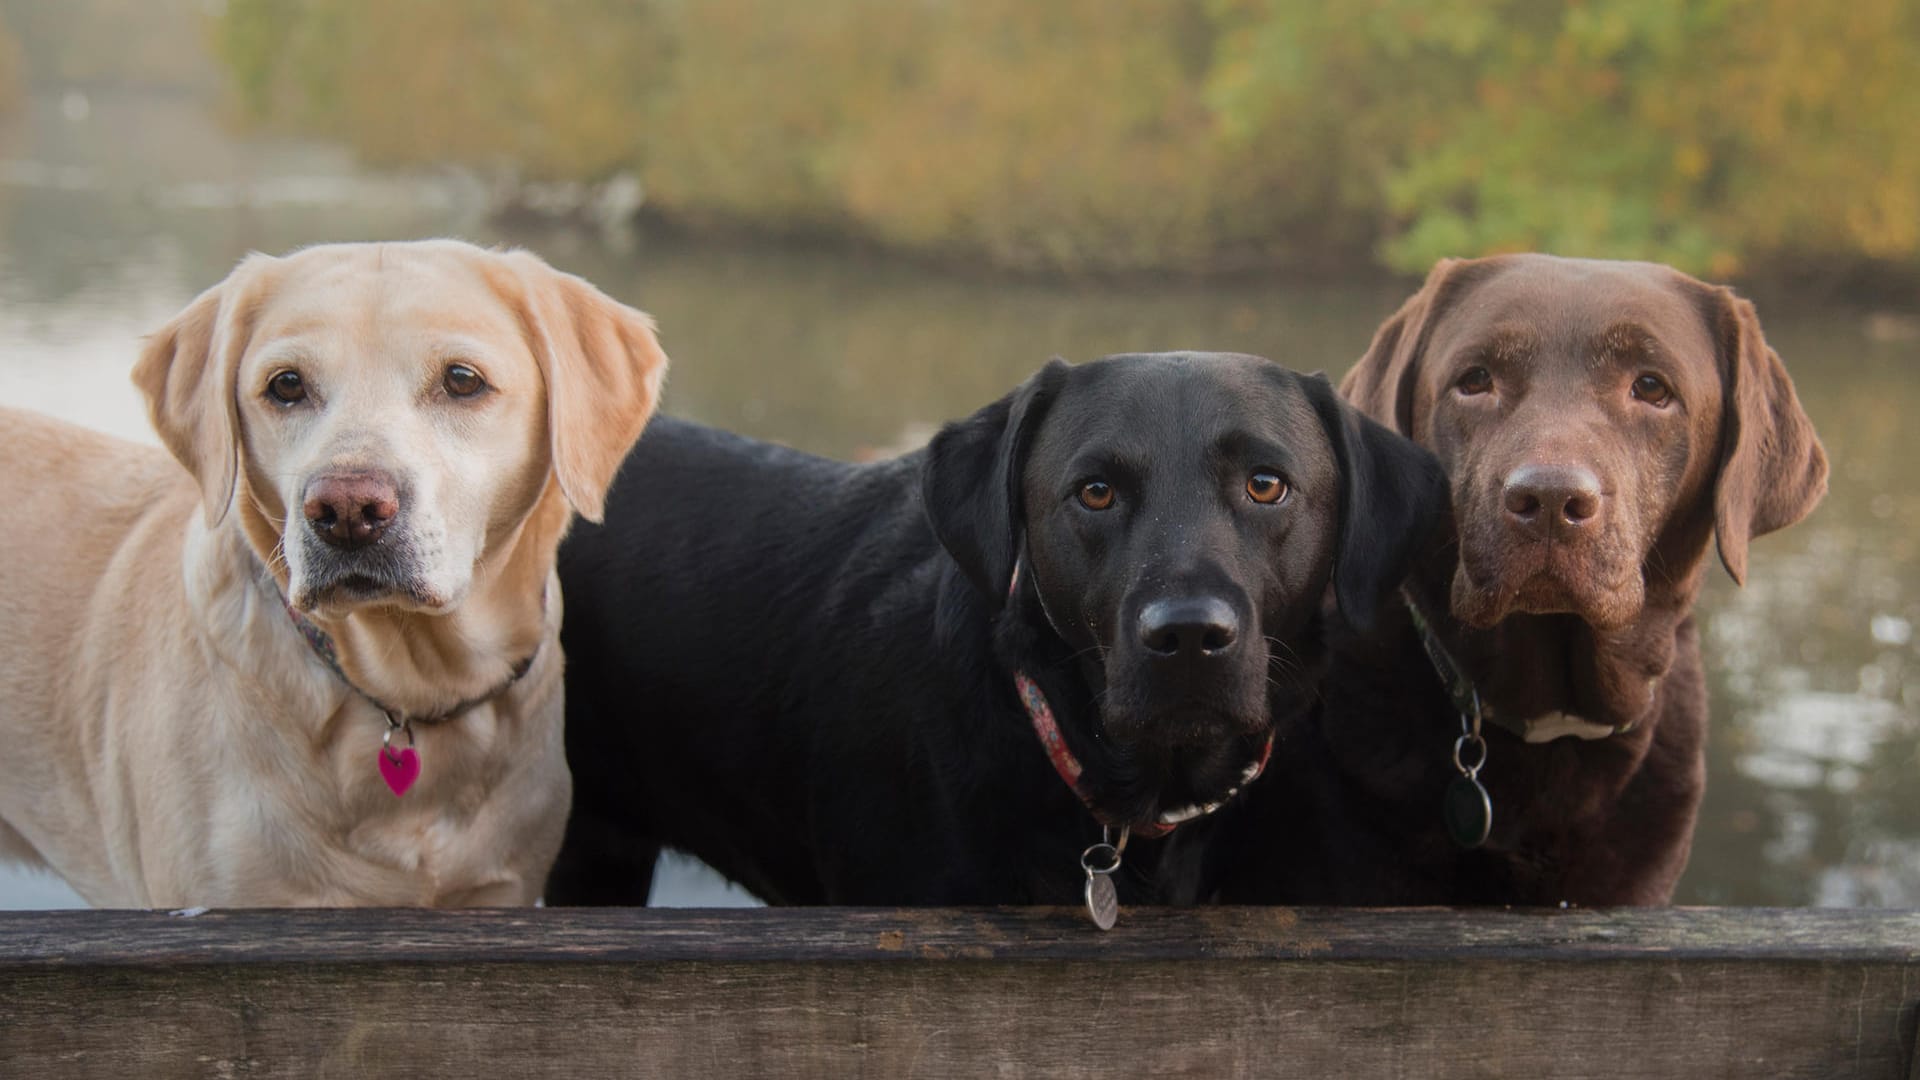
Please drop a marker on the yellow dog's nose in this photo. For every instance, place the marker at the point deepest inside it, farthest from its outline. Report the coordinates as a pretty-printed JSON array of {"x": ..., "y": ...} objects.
[{"x": 351, "y": 509}]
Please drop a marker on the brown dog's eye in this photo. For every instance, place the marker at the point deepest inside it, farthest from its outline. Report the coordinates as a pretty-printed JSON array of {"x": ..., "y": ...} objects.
[
  {"x": 1475, "y": 380},
  {"x": 1266, "y": 487},
  {"x": 463, "y": 381},
  {"x": 1096, "y": 494},
  {"x": 287, "y": 388},
  {"x": 1650, "y": 389}
]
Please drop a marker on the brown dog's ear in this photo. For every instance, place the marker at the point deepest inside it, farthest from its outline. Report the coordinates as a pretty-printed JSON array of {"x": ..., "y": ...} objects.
[
  {"x": 1773, "y": 470},
  {"x": 1382, "y": 383},
  {"x": 603, "y": 368},
  {"x": 187, "y": 371}
]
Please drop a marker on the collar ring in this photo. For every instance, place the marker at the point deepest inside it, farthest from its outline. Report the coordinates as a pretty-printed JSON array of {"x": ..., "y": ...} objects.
[{"x": 386, "y": 739}]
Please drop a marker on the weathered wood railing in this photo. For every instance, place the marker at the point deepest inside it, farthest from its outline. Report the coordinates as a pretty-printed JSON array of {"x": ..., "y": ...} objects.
[{"x": 1021, "y": 992}]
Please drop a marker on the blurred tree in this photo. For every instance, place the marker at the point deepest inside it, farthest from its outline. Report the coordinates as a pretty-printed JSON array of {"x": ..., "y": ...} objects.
[
  {"x": 145, "y": 43},
  {"x": 1062, "y": 134},
  {"x": 763, "y": 101},
  {"x": 552, "y": 90},
  {"x": 1817, "y": 107},
  {"x": 1139, "y": 134},
  {"x": 1697, "y": 133}
]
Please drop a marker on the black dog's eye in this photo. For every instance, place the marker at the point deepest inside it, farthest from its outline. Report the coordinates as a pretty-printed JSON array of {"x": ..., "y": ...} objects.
[
  {"x": 1266, "y": 487},
  {"x": 1475, "y": 380},
  {"x": 1096, "y": 494},
  {"x": 1652, "y": 390},
  {"x": 287, "y": 388},
  {"x": 462, "y": 381}
]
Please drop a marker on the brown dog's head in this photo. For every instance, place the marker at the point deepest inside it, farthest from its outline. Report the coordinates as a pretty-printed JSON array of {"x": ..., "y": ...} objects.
[
  {"x": 1596, "y": 420},
  {"x": 383, "y": 418}
]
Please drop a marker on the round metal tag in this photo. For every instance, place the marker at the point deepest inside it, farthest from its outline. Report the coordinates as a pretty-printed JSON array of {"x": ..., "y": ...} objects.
[
  {"x": 1468, "y": 812},
  {"x": 1103, "y": 904}
]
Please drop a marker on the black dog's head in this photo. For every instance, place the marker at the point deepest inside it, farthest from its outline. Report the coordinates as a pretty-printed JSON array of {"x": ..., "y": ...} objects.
[{"x": 1178, "y": 519}]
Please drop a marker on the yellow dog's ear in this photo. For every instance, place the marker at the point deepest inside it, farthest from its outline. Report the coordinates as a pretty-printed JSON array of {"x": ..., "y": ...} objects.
[
  {"x": 187, "y": 371},
  {"x": 603, "y": 368}
]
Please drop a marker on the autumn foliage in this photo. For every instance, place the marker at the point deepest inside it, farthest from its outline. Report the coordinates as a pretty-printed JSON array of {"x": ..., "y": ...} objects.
[{"x": 1130, "y": 134}]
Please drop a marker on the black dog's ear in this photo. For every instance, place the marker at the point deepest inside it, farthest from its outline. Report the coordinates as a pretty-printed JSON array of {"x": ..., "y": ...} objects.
[
  {"x": 1393, "y": 503},
  {"x": 971, "y": 486}
]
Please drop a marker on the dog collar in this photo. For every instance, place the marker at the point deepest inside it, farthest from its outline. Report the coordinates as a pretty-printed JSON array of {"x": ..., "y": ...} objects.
[
  {"x": 322, "y": 645},
  {"x": 399, "y": 768},
  {"x": 1467, "y": 809},
  {"x": 1070, "y": 769},
  {"x": 1543, "y": 728}
]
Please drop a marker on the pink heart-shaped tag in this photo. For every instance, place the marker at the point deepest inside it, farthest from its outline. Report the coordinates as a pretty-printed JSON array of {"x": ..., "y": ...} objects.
[{"x": 402, "y": 772}]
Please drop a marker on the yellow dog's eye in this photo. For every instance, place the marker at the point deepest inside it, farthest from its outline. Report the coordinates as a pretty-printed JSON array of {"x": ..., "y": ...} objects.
[
  {"x": 1266, "y": 487},
  {"x": 287, "y": 388},
  {"x": 1096, "y": 494},
  {"x": 463, "y": 381}
]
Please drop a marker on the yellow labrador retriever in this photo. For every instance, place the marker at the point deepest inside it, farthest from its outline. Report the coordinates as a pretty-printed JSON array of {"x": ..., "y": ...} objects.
[{"x": 320, "y": 665}]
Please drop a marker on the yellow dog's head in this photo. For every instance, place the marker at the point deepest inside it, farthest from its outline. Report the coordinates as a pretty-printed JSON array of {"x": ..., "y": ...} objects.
[{"x": 383, "y": 417}]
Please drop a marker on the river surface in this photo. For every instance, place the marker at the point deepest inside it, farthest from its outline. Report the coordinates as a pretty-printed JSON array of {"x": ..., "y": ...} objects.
[{"x": 116, "y": 210}]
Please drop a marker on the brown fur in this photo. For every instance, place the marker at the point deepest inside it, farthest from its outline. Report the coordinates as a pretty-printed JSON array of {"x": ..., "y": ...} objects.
[{"x": 1581, "y": 626}]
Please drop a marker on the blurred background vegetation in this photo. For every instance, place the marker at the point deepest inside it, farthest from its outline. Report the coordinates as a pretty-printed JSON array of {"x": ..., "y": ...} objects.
[
  {"x": 1122, "y": 134},
  {"x": 158, "y": 46},
  {"x": 1725, "y": 136}
]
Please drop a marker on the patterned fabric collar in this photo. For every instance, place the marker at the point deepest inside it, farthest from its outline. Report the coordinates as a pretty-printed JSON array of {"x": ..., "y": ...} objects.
[
  {"x": 321, "y": 643},
  {"x": 1069, "y": 768}
]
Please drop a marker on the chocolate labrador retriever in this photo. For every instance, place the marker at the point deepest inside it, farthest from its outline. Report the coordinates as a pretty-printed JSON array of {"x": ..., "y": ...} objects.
[
  {"x": 1602, "y": 425},
  {"x": 827, "y": 680}
]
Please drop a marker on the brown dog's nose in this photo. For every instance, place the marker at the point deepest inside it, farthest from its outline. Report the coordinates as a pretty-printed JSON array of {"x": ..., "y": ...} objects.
[
  {"x": 351, "y": 509},
  {"x": 1540, "y": 498}
]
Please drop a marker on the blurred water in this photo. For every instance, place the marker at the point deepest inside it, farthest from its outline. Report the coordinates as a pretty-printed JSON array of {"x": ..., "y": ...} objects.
[{"x": 109, "y": 224}]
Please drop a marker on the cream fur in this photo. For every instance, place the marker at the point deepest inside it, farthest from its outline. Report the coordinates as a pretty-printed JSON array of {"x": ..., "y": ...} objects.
[{"x": 169, "y": 739}]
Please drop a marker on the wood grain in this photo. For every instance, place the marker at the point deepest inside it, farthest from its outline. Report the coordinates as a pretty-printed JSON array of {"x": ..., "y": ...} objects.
[{"x": 1201, "y": 992}]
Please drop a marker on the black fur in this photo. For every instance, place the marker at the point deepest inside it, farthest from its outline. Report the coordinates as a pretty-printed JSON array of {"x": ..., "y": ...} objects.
[{"x": 801, "y": 670}]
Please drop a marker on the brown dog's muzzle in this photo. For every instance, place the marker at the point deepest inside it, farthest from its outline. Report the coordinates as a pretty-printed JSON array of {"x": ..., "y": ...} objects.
[
  {"x": 1553, "y": 502},
  {"x": 1548, "y": 537}
]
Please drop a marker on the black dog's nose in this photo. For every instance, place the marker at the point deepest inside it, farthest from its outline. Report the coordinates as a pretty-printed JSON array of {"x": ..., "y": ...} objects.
[
  {"x": 1191, "y": 626},
  {"x": 351, "y": 509},
  {"x": 1540, "y": 498}
]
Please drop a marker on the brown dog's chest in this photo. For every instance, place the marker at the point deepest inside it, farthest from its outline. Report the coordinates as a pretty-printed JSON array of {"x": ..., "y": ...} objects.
[{"x": 1579, "y": 821}]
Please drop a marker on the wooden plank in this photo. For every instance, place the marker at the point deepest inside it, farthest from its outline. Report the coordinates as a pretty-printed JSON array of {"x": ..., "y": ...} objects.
[
  {"x": 1031, "y": 933},
  {"x": 1913, "y": 1072},
  {"x": 837, "y": 992}
]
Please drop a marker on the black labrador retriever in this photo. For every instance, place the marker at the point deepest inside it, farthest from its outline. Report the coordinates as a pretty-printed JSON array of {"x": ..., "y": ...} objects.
[
  {"x": 1606, "y": 426},
  {"x": 875, "y": 684}
]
